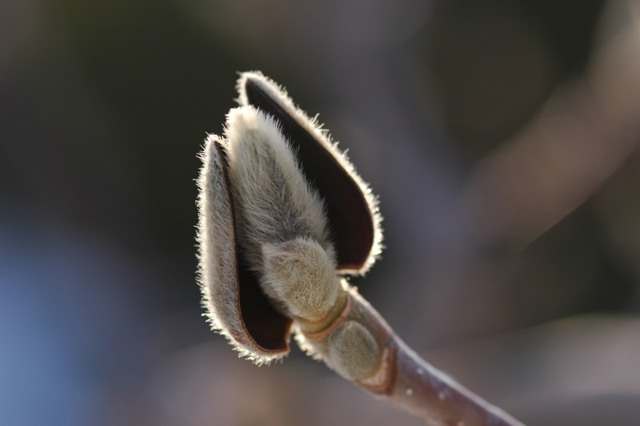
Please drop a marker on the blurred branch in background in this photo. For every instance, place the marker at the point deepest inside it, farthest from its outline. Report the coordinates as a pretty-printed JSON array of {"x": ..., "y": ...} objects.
[{"x": 584, "y": 134}]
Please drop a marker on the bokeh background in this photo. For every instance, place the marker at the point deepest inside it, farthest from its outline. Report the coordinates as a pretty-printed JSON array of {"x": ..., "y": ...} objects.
[{"x": 500, "y": 135}]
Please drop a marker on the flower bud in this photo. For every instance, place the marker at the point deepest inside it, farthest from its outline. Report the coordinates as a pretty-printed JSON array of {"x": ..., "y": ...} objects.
[
  {"x": 353, "y": 352},
  {"x": 301, "y": 276}
]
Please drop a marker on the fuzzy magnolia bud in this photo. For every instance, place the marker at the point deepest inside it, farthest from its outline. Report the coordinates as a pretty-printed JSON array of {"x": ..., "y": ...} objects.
[
  {"x": 301, "y": 276},
  {"x": 282, "y": 212},
  {"x": 353, "y": 352}
]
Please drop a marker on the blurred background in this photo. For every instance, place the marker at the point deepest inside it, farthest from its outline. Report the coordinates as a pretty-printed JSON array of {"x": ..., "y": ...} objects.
[{"x": 500, "y": 135}]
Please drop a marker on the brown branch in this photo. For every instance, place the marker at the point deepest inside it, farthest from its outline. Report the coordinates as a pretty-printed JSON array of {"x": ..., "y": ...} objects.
[{"x": 400, "y": 376}]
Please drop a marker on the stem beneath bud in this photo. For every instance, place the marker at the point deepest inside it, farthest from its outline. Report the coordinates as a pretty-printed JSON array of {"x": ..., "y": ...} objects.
[{"x": 394, "y": 371}]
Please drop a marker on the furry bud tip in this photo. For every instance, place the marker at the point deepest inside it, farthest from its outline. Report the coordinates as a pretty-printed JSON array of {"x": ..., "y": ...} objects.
[{"x": 301, "y": 276}]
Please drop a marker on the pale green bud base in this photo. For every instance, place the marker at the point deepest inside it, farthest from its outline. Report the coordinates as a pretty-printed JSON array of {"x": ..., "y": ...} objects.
[{"x": 350, "y": 340}]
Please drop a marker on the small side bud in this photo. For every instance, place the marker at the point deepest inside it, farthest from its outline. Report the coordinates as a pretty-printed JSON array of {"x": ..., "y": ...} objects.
[
  {"x": 301, "y": 276},
  {"x": 353, "y": 351}
]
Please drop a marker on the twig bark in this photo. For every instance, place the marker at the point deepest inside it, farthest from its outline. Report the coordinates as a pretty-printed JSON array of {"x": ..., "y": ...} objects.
[{"x": 401, "y": 376}]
